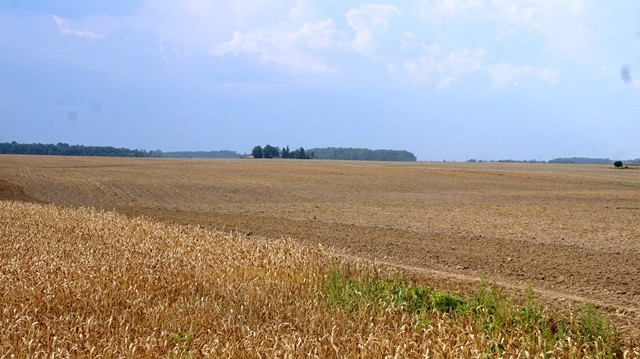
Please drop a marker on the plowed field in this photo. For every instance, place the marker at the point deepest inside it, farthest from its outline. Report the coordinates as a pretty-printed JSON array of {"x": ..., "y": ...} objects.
[{"x": 572, "y": 231}]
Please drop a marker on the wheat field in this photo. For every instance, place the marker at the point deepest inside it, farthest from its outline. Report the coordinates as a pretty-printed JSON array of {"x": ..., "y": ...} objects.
[{"x": 81, "y": 282}]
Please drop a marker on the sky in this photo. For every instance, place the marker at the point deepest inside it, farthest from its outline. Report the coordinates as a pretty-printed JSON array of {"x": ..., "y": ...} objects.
[{"x": 444, "y": 79}]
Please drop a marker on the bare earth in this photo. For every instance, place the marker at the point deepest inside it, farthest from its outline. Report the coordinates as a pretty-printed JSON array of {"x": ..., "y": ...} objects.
[{"x": 572, "y": 231}]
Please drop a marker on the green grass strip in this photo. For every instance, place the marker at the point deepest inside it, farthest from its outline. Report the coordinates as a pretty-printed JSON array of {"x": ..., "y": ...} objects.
[{"x": 489, "y": 308}]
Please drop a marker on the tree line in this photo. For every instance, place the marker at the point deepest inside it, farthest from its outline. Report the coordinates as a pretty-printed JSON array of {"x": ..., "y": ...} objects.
[
  {"x": 362, "y": 154},
  {"x": 64, "y": 149},
  {"x": 269, "y": 151},
  {"x": 333, "y": 153}
]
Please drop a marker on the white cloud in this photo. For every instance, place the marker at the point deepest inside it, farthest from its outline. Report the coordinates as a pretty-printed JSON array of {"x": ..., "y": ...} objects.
[
  {"x": 302, "y": 11},
  {"x": 291, "y": 49},
  {"x": 318, "y": 35},
  {"x": 273, "y": 31},
  {"x": 563, "y": 24},
  {"x": 532, "y": 13},
  {"x": 505, "y": 74},
  {"x": 366, "y": 21},
  {"x": 191, "y": 26},
  {"x": 67, "y": 29},
  {"x": 253, "y": 13},
  {"x": 445, "y": 69},
  {"x": 442, "y": 11}
]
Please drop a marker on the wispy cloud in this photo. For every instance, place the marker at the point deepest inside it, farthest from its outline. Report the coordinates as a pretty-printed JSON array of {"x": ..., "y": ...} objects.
[
  {"x": 292, "y": 49},
  {"x": 505, "y": 74},
  {"x": 304, "y": 49},
  {"x": 186, "y": 26},
  {"x": 446, "y": 68},
  {"x": 367, "y": 21},
  {"x": 562, "y": 23},
  {"x": 302, "y": 11},
  {"x": 65, "y": 29},
  {"x": 443, "y": 11}
]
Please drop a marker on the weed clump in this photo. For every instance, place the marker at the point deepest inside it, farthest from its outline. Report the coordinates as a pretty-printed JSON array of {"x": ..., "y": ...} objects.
[{"x": 489, "y": 311}]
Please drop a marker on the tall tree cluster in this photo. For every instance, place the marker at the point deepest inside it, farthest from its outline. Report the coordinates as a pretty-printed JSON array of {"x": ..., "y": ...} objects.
[{"x": 269, "y": 151}]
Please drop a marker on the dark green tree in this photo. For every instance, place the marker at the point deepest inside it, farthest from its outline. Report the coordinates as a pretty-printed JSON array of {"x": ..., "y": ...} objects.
[
  {"x": 618, "y": 164},
  {"x": 270, "y": 152},
  {"x": 257, "y": 152},
  {"x": 299, "y": 154},
  {"x": 285, "y": 152}
]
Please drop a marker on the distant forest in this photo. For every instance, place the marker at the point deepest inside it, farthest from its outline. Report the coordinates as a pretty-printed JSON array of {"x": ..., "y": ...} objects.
[
  {"x": 333, "y": 153},
  {"x": 64, "y": 149},
  {"x": 361, "y": 154}
]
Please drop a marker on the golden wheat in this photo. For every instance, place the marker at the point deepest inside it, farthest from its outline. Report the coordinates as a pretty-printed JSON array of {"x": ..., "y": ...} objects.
[{"x": 86, "y": 283}]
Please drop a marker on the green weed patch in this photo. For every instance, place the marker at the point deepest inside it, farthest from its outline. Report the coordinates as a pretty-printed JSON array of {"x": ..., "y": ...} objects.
[{"x": 497, "y": 314}]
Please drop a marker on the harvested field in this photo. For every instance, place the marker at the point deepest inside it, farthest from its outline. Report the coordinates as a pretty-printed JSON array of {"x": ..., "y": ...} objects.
[{"x": 571, "y": 231}]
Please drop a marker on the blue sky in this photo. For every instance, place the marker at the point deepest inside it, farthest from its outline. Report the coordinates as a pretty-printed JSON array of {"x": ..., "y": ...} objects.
[{"x": 444, "y": 79}]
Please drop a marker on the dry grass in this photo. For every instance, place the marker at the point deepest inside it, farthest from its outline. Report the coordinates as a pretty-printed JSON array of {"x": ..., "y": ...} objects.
[{"x": 86, "y": 283}]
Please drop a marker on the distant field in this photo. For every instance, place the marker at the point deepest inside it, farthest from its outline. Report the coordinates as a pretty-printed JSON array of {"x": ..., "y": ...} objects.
[{"x": 570, "y": 230}]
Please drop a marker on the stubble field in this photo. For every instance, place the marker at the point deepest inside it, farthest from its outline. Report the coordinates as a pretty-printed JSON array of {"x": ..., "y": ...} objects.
[{"x": 572, "y": 232}]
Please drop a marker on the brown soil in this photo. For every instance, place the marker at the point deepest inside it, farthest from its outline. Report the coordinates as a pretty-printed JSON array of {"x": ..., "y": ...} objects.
[
  {"x": 571, "y": 231},
  {"x": 12, "y": 192}
]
